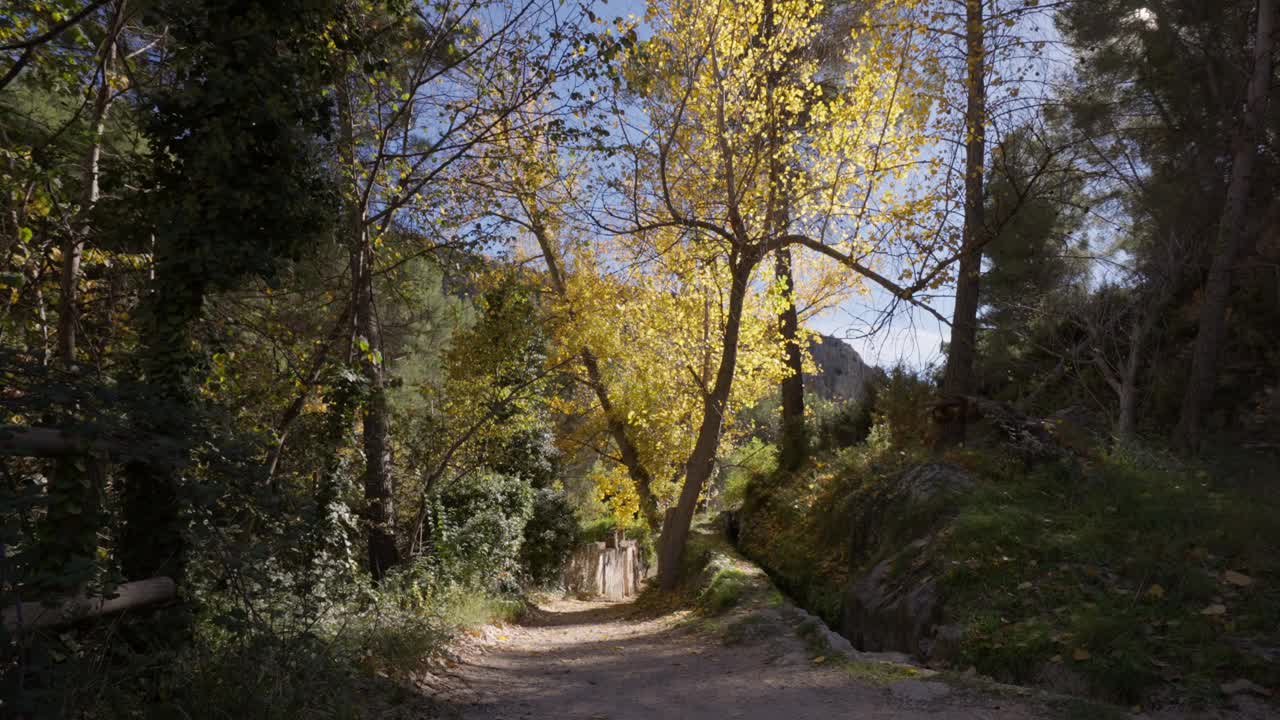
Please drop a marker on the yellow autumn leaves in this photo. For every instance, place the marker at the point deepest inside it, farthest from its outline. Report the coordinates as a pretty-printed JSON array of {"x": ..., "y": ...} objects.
[{"x": 748, "y": 107}]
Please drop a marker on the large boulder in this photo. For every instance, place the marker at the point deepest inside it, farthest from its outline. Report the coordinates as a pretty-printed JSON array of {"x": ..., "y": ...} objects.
[{"x": 893, "y": 602}]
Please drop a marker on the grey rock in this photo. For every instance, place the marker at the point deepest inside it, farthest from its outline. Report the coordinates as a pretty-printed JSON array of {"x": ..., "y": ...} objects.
[
  {"x": 895, "y": 604},
  {"x": 841, "y": 374},
  {"x": 838, "y": 642}
]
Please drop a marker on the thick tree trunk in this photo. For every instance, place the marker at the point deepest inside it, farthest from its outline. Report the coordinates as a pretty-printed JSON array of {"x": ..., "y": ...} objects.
[
  {"x": 957, "y": 381},
  {"x": 152, "y": 543},
  {"x": 379, "y": 510},
  {"x": 1231, "y": 233},
  {"x": 794, "y": 433},
  {"x": 675, "y": 529}
]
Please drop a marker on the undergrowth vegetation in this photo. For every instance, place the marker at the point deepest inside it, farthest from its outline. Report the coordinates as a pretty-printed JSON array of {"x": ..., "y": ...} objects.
[
  {"x": 1131, "y": 574},
  {"x": 268, "y": 659}
]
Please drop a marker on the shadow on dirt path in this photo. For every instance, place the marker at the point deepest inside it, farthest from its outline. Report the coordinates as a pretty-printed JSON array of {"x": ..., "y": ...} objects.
[{"x": 576, "y": 660}]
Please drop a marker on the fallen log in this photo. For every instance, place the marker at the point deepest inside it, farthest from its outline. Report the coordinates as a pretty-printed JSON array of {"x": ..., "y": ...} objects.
[
  {"x": 28, "y": 616},
  {"x": 119, "y": 446},
  {"x": 40, "y": 442}
]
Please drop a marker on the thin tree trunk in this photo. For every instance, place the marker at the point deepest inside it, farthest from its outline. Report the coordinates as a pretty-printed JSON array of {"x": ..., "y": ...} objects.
[
  {"x": 794, "y": 439},
  {"x": 957, "y": 381},
  {"x": 74, "y": 488},
  {"x": 292, "y": 412},
  {"x": 628, "y": 451},
  {"x": 675, "y": 529},
  {"x": 1126, "y": 424},
  {"x": 73, "y": 243},
  {"x": 1231, "y": 233}
]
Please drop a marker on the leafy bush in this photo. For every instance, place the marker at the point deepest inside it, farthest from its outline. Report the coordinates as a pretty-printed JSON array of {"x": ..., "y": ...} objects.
[
  {"x": 838, "y": 425},
  {"x": 549, "y": 536},
  {"x": 726, "y": 588},
  {"x": 477, "y": 528},
  {"x": 753, "y": 459},
  {"x": 901, "y": 407}
]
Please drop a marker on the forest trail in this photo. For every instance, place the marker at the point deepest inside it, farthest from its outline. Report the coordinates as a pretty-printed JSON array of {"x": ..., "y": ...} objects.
[{"x": 577, "y": 660}]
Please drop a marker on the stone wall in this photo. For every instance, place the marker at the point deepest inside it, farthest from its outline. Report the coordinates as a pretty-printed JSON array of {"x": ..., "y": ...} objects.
[{"x": 611, "y": 570}]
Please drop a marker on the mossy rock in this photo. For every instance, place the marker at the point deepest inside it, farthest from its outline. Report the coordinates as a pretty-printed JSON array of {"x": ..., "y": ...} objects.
[{"x": 893, "y": 602}]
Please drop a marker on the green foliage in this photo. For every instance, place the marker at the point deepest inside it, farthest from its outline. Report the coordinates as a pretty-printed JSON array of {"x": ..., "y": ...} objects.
[
  {"x": 238, "y": 180},
  {"x": 838, "y": 425},
  {"x": 477, "y": 527},
  {"x": 1114, "y": 571},
  {"x": 725, "y": 589},
  {"x": 901, "y": 409},
  {"x": 549, "y": 536},
  {"x": 1121, "y": 565},
  {"x": 753, "y": 459}
]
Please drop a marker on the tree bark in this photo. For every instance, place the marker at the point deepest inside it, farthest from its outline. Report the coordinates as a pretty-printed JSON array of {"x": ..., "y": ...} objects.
[
  {"x": 1127, "y": 422},
  {"x": 957, "y": 380},
  {"x": 28, "y": 616},
  {"x": 794, "y": 433},
  {"x": 379, "y": 510},
  {"x": 152, "y": 542},
  {"x": 73, "y": 243},
  {"x": 675, "y": 529},
  {"x": 1231, "y": 233}
]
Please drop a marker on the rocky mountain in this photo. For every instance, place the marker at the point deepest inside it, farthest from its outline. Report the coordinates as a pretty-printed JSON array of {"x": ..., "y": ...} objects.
[{"x": 841, "y": 373}]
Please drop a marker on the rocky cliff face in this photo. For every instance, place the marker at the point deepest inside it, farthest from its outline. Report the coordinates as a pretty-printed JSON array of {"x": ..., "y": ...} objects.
[{"x": 841, "y": 373}]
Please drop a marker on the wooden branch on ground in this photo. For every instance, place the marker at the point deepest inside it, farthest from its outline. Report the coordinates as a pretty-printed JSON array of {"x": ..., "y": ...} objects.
[
  {"x": 40, "y": 442},
  {"x": 28, "y": 616},
  {"x": 52, "y": 442}
]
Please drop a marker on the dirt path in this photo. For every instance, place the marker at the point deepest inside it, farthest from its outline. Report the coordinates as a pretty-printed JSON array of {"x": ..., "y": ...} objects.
[{"x": 579, "y": 660}]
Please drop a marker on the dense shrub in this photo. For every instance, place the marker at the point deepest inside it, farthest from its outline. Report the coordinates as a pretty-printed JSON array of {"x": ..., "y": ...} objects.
[
  {"x": 901, "y": 407},
  {"x": 549, "y": 536},
  {"x": 476, "y": 529},
  {"x": 838, "y": 425},
  {"x": 1123, "y": 572}
]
